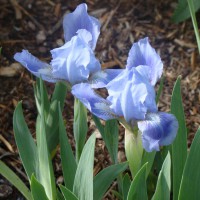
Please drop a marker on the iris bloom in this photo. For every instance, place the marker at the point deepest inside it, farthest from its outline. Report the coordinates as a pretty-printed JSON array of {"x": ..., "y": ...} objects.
[
  {"x": 75, "y": 61},
  {"x": 131, "y": 96}
]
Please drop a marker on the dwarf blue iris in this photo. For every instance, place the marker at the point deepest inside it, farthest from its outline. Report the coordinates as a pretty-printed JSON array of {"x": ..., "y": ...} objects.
[
  {"x": 75, "y": 61},
  {"x": 131, "y": 95}
]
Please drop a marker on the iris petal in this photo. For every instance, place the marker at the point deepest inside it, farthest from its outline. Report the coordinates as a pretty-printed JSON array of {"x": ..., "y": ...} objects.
[
  {"x": 79, "y": 19},
  {"x": 131, "y": 95},
  {"x": 92, "y": 101},
  {"x": 35, "y": 66},
  {"x": 101, "y": 78},
  {"x": 142, "y": 53},
  {"x": 158, "y": 129},
  {"x": 74, "y": 61}
]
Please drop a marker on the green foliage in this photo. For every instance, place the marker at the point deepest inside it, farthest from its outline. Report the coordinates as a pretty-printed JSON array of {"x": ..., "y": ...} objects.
[
  {"x": 78, "y": 174},
  {"x": 133, "y": 150},
  {"x": 192, "y": 7},
  {"x": 126, "y": 185},
  {"x": 80, "y": 127},
  {"x": 83, "y": 182},
  {"x": 25, "y": 143},
  {"x": 50, "y": 110},
  {"x": 104, "y": 179},
  {"x": 182, "y": 11},
  {"x": 189, "y": 188},
  {"x": 45, "y": 167},
  {"x": 40, "y": 92},
  {"x": 186, "y": 9},
  {"x": 46, "y": 176},
  {"x": 37, "y": 190},
  {"x": 68, "y": 195},
  {"x": 160, "y": 89},
  {"x": 110, "y": 134},
  {"x": 67, "y": 157},
  {"x": 138, "y": 189},
  {"x": 179, "y": 146},
  {"x": 164, "y": 181},
  {"x": 60, "y": 93},
  {"x": 15, "y": 180},
  {"x": 148, "y": 157},
  {"x": 52, "y": 126}
]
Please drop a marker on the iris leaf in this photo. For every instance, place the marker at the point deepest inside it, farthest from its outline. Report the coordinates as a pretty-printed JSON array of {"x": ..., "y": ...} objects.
[
  {"x": 15, "y": 180},
  {"x": 83, "y": 182},
  {"x": 138, "y": 189},
  {"x": 67, "y": 157},
  {"x": 25, "y": 143},
  {"x": 164, "y": 181},
  {"x": 103, "y": 179},
  {"x": 179, "y": 146},
  {"x": 189, "y": 188}
]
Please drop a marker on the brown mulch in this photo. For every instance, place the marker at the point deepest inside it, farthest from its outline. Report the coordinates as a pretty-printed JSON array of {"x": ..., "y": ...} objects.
[{"x": 37, "y": 26}]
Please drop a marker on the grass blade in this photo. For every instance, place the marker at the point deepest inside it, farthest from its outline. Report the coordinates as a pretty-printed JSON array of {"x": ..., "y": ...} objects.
[
  {"x": 126, "y": 185},
  {"x": 37, "y": 190},
  {"x": 189, "y": 188},
  {"x": 67, "y": 157},
  {"x": 164, "y": 181},
  {"x": 15, "y": 180},
  {"x": 83, "y": 182},
  {"x": 80, "y": 126},
  {"x": 46, "y": 176},
  {"x": 68, "y": 195},
  {"x": 25, "y": 143},
  {"x": 182, "y": 11},
  {"x": 103, "y": 179},
  {"x": 160, "y": 89},
  {"x": 110, "y": 137},
  {"x": 194, "y": 21},
  {"x": 179, "y": 146},
  {"x": 138, "y": 188},
  {"x": 60, "y": 93}
]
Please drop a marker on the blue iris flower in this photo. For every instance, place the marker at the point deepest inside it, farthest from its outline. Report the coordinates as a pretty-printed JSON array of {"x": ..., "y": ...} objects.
[
  {"x": 75, "y": 61},
  {"x": 131, "y": 96}
]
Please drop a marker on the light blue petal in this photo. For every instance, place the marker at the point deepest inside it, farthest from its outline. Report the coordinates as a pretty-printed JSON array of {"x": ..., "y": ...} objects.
[
  {"x": 92, "y": 101},
  {"x": 84, "y": 35},
  {"x": 115, "y": 89},
  {"x": 74, "y": 61},
  {"x": 101, "y": 78},
  {"x": 79, "y": 19},
  {"x": 158, "y": 129},
  {"x": 131, "y": 95},
  {"x": 35, "y": 66},
  {"x": 144, "y": 71},
  {"x": 132, "y": 101},
  {"x": 142, "y": 53}
]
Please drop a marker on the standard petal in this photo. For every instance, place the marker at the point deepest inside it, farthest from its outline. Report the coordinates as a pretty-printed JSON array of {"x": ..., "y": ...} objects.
[
  {"x": 74, "y": 61},
  {"x": 79, "y": 19},
  {"x": 131, "y": 95},
  {"x": 92, "y": 101},
  {"x": 158, "y": 129},
  {"x": 132, "y": 102},
  {"x": 101, "y": 78},
  {"x": 84, "y": 35},
  {"x": 115, "y": 89},
  {"x": 142, "y": 53},
  {"x": 35, "y": 66}
]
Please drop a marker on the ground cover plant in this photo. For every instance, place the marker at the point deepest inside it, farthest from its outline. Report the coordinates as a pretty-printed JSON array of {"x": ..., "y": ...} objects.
[{"x": 146, "y": 129}]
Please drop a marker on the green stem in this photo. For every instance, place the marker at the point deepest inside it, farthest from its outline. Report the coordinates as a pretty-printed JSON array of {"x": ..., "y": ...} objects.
[
  {"x": 194, "y": 21},
  {"x": 133, "y": 150}
]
